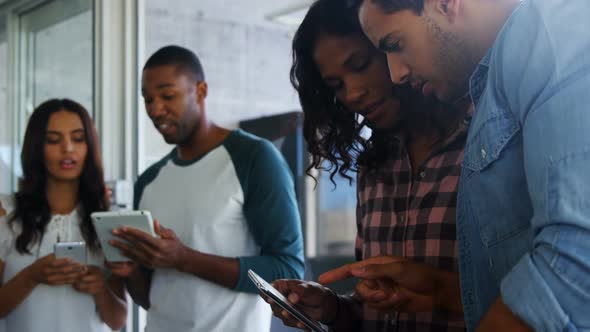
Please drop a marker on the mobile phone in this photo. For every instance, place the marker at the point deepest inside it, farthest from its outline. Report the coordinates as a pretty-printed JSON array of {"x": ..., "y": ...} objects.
[
  {"x": 74, "y": 250},
  {"x": 268, "y": 290}
]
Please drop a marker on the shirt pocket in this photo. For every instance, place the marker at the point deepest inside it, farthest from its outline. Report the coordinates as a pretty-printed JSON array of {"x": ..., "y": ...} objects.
[{"x": 497, "y": 190}]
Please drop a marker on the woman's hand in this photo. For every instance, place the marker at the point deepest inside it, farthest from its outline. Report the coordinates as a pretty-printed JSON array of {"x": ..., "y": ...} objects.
[
  {"x": 55, "y": 272},
  {"x": 92, "y": 282}
]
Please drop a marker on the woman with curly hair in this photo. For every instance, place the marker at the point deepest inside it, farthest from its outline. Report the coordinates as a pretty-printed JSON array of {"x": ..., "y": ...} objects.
[{"x": 407, "y": 170}]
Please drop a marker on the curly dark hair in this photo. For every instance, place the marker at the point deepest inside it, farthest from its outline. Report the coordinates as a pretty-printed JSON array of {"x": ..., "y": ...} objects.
[
  {"x": 32, "y": 208},
  {"x": 332, "y": 132}
]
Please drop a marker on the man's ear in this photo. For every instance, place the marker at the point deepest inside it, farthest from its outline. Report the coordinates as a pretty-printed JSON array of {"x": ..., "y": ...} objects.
[
  {"x": 202, "y": 90},
  {"x": 447, "y": 8}
]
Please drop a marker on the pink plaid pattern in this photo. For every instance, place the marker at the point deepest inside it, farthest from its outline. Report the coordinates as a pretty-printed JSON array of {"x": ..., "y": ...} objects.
[{"x": 412, "y": 216}]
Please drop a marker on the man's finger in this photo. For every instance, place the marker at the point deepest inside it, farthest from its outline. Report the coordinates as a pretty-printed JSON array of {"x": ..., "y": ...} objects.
[
  {"x": 394, "y": 272},
  {"x": 147, "y": 249},
  {"x": 163, "y": 232},
  {"x": 137, "y": 253},
  {"x": 368, "y": 294},
  {"x": 341, "y": 273},
  {"x": 345, "y": 272},
  {"x": 135, "y": 235}
]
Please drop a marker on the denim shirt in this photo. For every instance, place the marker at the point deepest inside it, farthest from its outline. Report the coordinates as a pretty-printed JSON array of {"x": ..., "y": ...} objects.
[{"x": 523, "y": 219}]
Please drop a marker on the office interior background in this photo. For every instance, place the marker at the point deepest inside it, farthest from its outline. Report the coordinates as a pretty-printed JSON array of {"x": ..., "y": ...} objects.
[{"x": 92, "y": 51}]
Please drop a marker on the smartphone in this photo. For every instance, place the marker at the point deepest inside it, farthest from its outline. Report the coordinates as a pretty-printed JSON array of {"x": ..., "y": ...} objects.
[
  {"x": 74, "y": 250},
  {"x": 268, "y": 290}
]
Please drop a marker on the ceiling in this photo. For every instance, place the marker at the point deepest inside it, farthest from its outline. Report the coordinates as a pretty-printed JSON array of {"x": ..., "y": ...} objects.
[
  {"x": 250, "y": 11},
  {"x": 244, "y": 11}
]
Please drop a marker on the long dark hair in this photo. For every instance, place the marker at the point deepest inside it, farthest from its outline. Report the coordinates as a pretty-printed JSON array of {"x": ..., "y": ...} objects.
[
  {"x": 31, "y": 207},
  {"x": 332, "y": 132}
]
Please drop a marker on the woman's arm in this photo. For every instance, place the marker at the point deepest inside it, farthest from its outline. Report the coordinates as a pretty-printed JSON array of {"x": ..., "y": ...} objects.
[
  {"x": 46, "y": 270},
  {"x": 112, "y": 305},
  {"x": 109, "y": 296},
  {"x": 14, "y": 291}
]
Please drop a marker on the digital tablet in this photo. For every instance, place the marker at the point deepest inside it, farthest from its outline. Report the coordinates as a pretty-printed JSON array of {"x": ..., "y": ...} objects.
[
  {"x": 268, "y": 290},
  {"x": 105, "y": 222}
]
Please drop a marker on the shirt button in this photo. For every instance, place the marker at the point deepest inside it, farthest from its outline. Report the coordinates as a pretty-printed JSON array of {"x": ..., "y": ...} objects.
[
  {"x": 483, "y": 154},
  {"x": 423, "y": 175}
]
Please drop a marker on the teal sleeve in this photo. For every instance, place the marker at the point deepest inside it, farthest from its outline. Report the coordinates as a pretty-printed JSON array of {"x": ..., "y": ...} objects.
[
  {"x": 147, "y": 177},
  {"x": 272, "y": 214}
]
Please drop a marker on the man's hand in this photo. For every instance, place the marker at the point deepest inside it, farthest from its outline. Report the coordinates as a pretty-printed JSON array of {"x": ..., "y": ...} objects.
[
  {"x": 399, "y": 284},
  {"x": 385, "y": 295},
  {"x": 164, "y": 252},
  {"x": 346, "y": 271},
  {"x": 122, "y": 269},
  {"x": 92, "y": 282},
  {"x": 316, "y": 301}
]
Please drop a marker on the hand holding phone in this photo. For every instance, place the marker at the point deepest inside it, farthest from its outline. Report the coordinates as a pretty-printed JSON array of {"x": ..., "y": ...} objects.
[
  {"x": 54, "y": 271},
  {"x": 92, "y": 282},
  {"x": 268, "y": 290},
  {"x": 318, "y": 302}
]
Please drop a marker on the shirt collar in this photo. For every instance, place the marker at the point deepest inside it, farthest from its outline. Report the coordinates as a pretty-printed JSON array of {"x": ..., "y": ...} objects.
[{"x": 477, "y": 82}]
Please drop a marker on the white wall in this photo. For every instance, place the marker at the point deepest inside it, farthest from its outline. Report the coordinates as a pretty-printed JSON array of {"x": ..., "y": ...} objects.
[{"x": 246, "y": 66}]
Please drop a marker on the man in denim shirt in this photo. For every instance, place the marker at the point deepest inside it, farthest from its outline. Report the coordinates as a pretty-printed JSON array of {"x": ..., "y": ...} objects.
[{"x": 524, "y": 199}]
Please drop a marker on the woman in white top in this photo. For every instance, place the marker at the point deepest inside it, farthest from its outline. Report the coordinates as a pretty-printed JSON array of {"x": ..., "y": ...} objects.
[{"x": 62, "y": 184}]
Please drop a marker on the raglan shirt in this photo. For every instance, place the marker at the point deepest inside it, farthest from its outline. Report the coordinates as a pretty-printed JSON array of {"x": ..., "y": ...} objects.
[{"x": 238, "y": 200}]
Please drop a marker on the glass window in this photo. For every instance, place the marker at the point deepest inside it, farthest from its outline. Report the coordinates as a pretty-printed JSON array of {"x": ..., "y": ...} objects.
[
  {"x": 336, "y": 215},
  {"x": 62, "y": 60},
  {"x": 57, "y": 43},
  {"x": 53, "y": 59},
  {"x": 5, "y": 120}
]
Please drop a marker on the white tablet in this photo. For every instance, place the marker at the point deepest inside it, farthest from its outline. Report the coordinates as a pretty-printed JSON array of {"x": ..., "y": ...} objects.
[
  {"x": 105, "y": 222},
  {"x": 268, "y": 290}
]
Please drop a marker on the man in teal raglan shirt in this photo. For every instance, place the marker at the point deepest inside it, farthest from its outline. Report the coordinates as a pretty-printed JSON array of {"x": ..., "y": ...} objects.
[{"x": 227, "y": 200}]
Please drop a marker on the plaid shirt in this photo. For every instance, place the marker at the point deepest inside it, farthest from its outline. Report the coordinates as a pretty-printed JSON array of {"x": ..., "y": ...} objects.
[{"x": 410, "y": 216}]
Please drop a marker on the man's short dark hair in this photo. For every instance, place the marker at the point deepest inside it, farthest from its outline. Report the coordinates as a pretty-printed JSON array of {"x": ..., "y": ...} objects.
[
  {"x": 392, "y": 6},
  {"x": 184, "y": 59}
]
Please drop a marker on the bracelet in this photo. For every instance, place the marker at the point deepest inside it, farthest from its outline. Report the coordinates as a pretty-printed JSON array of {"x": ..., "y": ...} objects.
[{"x": 335, "y": 317}]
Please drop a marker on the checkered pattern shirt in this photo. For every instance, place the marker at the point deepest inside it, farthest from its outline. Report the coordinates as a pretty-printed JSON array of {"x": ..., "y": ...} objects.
[{"x": 412, "y": 216}]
